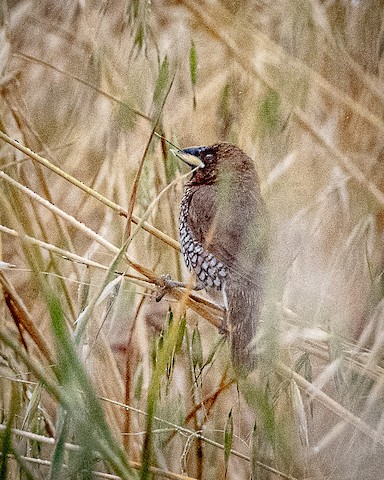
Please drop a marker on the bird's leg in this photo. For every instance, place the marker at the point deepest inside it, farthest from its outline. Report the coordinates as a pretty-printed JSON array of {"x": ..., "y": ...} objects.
[
  {"x": 223, "y": 328},
  {"x": 166, "y": 283}
]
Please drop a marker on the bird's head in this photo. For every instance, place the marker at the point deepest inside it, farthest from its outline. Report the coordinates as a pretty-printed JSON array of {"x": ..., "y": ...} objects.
[{"x": 213, "y": 161}]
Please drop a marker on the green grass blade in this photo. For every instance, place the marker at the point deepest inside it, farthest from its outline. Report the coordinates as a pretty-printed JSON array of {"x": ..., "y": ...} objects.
[{"x": 228, "y": 440}]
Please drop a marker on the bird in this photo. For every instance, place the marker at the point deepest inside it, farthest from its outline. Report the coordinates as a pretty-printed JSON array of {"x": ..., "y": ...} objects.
[{"x": 223, "y": 229}]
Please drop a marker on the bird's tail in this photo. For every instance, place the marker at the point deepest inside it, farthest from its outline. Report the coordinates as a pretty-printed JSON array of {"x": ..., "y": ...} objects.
[{"x": 244, "y": 305}]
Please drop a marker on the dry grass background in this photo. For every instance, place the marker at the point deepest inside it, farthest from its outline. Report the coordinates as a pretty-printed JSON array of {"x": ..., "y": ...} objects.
[{"x": 298, "y": 85}]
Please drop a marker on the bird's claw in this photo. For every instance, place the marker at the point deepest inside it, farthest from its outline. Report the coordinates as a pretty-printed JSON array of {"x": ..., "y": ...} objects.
[{"x": 166, "y": 283}]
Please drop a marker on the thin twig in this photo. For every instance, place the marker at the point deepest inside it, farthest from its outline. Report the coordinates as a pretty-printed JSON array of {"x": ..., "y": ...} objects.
[
  {"x": 330, "y": 403},
  {"x": 191, "y": 433},
  {"x": 210, "y": 19},
  {"x": 140, "y": 281},
  {"x": 77, "y": 448},
  {"x": 136, "y": 180},
  {"x": 184, "y": 296},
  {"x": 31, "y": 58},
  {"x": 114, "y": 206}
]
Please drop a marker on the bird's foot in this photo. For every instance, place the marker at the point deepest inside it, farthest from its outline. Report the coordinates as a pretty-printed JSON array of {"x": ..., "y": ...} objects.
[{"x": 166, "y": 283}]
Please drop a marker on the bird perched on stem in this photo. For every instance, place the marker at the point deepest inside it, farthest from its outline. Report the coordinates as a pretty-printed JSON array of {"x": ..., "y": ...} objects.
[{"x": 223, "y": 237}]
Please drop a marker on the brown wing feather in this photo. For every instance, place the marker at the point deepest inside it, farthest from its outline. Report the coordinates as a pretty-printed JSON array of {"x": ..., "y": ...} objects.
[{"x": 238, "y": 242}]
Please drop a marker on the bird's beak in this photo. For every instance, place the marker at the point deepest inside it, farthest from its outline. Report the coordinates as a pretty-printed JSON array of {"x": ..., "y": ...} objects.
[{"x": 188, "y": 158}]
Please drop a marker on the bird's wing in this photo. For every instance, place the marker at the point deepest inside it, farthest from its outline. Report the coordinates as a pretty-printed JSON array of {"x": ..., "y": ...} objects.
[
  {"x": 230, "y": 232},
  {"x": 202, "y": 214}
]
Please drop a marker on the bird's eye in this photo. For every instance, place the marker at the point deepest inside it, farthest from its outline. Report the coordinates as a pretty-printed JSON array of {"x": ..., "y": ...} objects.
[{"x": 208, "y": 156}]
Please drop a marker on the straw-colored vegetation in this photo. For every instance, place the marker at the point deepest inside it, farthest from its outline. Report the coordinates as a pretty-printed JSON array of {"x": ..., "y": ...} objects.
[{"x": 97, "y": 379}]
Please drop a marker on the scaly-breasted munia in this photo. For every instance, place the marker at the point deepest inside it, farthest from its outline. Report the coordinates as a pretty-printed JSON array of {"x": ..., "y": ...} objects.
[{"x": 223, "y": 237}]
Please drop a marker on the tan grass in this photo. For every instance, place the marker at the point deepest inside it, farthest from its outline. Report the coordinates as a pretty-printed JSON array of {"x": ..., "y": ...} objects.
[{"x": 298, "y": 85}]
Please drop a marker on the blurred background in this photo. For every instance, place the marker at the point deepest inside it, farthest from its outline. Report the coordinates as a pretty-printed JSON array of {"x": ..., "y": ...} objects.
[{"x": 92, "y": 87}]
